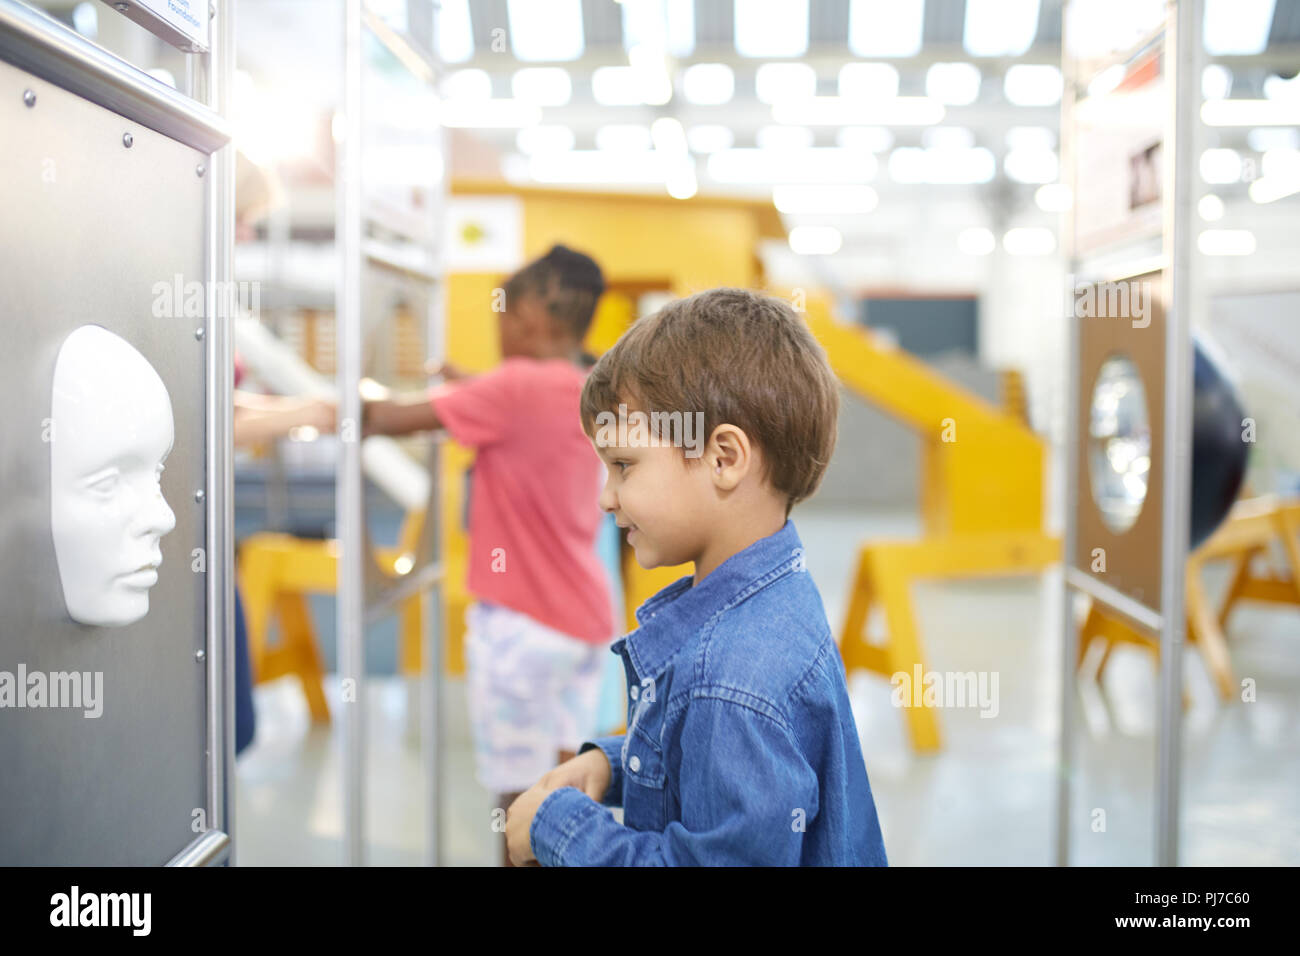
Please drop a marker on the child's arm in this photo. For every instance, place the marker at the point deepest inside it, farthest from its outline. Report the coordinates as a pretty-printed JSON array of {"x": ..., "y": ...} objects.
[
  {"x": 747, "y": 794},
  {"x": 400, "y": 416}
]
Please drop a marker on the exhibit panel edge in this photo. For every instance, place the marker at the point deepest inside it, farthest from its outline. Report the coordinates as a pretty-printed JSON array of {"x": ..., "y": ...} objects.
[{"x": 47, "y": 50}]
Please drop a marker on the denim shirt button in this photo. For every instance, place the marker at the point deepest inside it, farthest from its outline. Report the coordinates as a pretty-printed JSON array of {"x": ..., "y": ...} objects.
[
  {"x": 633, "y": 691},
  {"x": 634, "y": 763}
]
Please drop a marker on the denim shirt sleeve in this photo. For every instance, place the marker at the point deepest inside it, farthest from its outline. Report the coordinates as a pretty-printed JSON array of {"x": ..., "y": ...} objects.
[
  {"x": 746, "y": 795},
  {"x": 612, "y": 748}
]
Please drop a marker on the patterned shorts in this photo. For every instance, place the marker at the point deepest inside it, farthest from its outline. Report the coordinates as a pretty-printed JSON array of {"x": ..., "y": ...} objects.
[{"x": 533, "y": 691}]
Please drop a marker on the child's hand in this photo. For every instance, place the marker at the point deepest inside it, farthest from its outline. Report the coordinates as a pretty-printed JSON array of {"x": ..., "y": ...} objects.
[{"x": 589, "y": 772}]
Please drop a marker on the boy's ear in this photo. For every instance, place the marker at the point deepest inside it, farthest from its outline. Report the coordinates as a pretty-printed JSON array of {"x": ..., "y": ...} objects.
[{"x": 729, "y": 456}]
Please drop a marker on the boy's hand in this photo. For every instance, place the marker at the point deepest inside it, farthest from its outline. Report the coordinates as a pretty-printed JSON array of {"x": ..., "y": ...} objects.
[{"x": 589, "y": 772}]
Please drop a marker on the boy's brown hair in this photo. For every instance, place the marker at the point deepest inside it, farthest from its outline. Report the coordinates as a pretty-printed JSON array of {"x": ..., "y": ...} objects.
[{"x": 739, "y": 357}]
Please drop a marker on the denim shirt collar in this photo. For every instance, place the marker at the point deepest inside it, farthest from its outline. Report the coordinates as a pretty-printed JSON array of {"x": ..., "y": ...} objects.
[{"x": 679, "y": 610}]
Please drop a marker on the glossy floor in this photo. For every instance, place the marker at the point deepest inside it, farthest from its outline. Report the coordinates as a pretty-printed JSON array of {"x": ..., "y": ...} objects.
[{"x": 988, "y": 798}]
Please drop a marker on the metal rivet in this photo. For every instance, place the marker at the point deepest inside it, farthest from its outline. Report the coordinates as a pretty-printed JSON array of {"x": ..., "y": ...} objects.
[
  {"x": 29, "y": 97},
  {"x": 127, "y": 140},
  {"x": 198, "y": 495},
  {"x": 198, "y": 333},
  {"x": 200, "y": 654},
  {"x": 121, "y": 7},
  {"x": 201, "y": 168}
]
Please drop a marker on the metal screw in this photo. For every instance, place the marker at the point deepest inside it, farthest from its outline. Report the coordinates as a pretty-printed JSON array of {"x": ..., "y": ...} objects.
[
  {"x": 122, "y": 7},
  {"x": 198, "y": 495},
  {"x": 201, "y": 168},
  {"x": 127, "y": 140},
  {"x": 29, "y": 97},
  {"x": 200, "y": 654},
  {"x": 198, "y": 333}
]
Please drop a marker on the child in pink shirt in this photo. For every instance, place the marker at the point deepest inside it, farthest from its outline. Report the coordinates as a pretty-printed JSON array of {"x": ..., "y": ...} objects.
[{"x": 542, "y": 620}]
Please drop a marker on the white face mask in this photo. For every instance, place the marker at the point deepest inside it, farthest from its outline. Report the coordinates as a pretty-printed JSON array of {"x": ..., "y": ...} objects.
[{"x": 112, "y": 430}]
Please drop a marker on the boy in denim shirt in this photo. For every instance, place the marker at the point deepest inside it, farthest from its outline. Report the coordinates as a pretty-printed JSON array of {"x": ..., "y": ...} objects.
[{"x": 741, "y": 747}]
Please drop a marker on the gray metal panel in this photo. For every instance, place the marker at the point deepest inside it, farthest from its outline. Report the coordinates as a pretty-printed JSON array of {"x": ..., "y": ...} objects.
[
  {"x": 89, "y": 228},
  {"x": 34, "y": 41}
]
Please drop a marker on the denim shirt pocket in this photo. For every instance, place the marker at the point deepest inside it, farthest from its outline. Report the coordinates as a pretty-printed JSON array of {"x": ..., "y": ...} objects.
[{"x": 645, "y": 804}]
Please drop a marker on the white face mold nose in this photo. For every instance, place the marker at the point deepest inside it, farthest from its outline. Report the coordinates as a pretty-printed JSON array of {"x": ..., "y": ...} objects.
[{"x": 112, "y": 429}]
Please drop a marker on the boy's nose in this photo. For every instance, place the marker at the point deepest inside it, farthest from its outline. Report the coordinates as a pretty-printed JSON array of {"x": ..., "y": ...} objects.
[{"x": 608, "y": 499}]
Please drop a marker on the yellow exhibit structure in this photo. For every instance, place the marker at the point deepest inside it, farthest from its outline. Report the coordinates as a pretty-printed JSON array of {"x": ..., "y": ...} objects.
[
  {"x": 981, "y": 502},
  {"x": 1255, "y": 530}
]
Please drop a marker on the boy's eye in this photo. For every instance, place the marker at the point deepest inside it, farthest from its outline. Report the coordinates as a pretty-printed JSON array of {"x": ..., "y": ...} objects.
[{"x": 622, "y": 466}]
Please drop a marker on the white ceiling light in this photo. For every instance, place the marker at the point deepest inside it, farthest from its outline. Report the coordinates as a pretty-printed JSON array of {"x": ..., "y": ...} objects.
[
  {"x": 1098, "y": 27},
  {"x": 1280, "y": 176},
  {"x": 909, "y": 164},
  {"x": 455, "y": 39},
  {"x": 976, "y": 241},
  {"x": 85, "y": 20},
  {"x": 650, "y": 67},
  {"x": 616, "y": 86},
  {"x": 666, "y": 24},
  {"x": 1226, "y": 242},
  {"x": 1029, "y": 241},
  {"x": 489, "y": 114},
  {"x": 838, "y": 111},
  {"x": 817, "y": 165},
  {"x": 545, "y": 31},
  {"x": 956, "y": 84},
  {"x": 1031, "y": 165},
  {"x": 1053, "y": 197},
  {"x": 1000, "y": 27},
  {"x": 816, "y": 198},
  {"x": 668, "y": 136},
  {"x": 774, "y": 82},
  {"x": 815, "y": 240},
  {"x": 543, "y": 85},
  {"x": 1250, "y": 113},
  {"x": 947, "y": 137},
  {"x": 868, "y": 81},
  {"x": 1221, "y": 166},
  {"x": 1276, "y": 88},
  {"x": 681, "y": 182},
  {"x": 1216, "y": 81},
  {"x": 1237, "y": 27},
  {"x": 467, "y": 85},
  {"x": 784, "y": 137},
  {"x": 709, "y": 138},
  {"x": 590, "y": 166},
  {"x": 1273, "y": 137},
  {"x": 885, "y": 29},
  {"x": 771, "y": 27},
  {"x": 1032, "y": 84},
  {"x": 873, "y": 139},
  {"x": 708, "y": 84},
  {"x": 545, "y": 139},
  {"x": 1210, "y": 207},
  {"x": 623, "y": 138},
  {"x": 1031, "y": 137}
]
